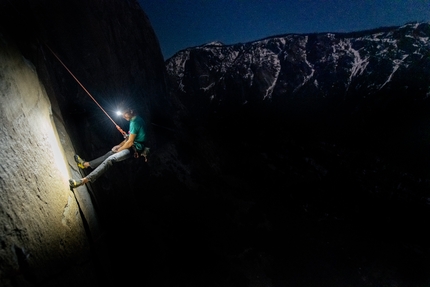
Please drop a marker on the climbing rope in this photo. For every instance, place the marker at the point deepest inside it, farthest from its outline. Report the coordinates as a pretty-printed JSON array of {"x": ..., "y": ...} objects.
[{"x": 82, "y": 86}]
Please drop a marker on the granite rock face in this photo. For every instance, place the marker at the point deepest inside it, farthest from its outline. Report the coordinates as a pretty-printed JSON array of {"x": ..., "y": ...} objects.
[
  {"x": 50, "y": 52},
  {"x": 43, "y": 232}
]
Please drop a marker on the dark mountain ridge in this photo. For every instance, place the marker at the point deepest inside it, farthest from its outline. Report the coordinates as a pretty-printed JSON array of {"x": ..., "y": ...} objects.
[
  {"x": 353, "y": 34},
  {"x": 326, "y": 133},
  {"x": 354, "y": 86}
]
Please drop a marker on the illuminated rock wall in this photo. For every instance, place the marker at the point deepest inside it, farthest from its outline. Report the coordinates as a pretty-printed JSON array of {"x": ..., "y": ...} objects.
[
  {"x": 45, "y": 227},
  {"x": 49, "y": 235},
  {"x": 111, "y": 48}
]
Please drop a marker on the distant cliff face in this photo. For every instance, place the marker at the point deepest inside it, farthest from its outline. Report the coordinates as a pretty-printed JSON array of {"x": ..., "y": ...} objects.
[
  {"x": 329, "y": 125},
  {"x": 324, "y": 73}
]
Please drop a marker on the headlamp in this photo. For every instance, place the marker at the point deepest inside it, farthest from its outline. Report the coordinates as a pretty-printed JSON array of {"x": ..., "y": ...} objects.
[{"x": 119, "y": 113}]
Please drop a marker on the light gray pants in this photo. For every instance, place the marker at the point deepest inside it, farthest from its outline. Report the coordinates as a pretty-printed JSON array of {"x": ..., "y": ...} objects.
[{"x": 103, "y": 163}]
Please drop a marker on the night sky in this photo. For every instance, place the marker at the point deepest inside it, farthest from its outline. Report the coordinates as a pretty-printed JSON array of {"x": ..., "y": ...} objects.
[{"x": 180, "y": 24}]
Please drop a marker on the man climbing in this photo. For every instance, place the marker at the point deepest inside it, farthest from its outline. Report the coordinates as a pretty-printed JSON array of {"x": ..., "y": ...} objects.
[{"x": 134, "y": 143}]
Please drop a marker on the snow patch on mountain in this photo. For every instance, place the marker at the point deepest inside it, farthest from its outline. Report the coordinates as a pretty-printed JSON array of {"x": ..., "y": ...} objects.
[
  {"x": 397, "y": 64},
  {"x": 214, "y": 43}
]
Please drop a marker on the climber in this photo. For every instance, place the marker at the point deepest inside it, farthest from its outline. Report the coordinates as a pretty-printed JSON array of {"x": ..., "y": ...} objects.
[{"x": 133, "y": 143}]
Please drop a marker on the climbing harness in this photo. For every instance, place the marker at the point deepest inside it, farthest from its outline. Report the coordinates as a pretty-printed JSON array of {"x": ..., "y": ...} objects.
[
  {"x": 143, "y": 153},
  {"x": 82, "y": 86}
]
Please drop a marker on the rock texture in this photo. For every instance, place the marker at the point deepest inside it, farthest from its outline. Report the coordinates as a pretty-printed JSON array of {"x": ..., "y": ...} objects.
[
  {"x": 43, "y": 238},
  {"x": 50, "y": 235}
]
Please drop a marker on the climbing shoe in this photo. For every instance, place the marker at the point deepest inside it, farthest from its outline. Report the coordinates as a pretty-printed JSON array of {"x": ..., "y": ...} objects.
[
  {"x": 145, "y": 153},
  {"x": 75, "y": 182},
  {"x": 80, "y": 162}
]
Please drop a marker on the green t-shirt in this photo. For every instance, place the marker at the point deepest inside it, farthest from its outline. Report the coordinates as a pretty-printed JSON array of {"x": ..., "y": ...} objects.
[{"x": 137, "y": 127}]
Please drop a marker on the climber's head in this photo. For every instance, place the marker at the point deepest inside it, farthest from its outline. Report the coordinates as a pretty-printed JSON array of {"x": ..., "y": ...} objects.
[{"x": 128, "y": 114}]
